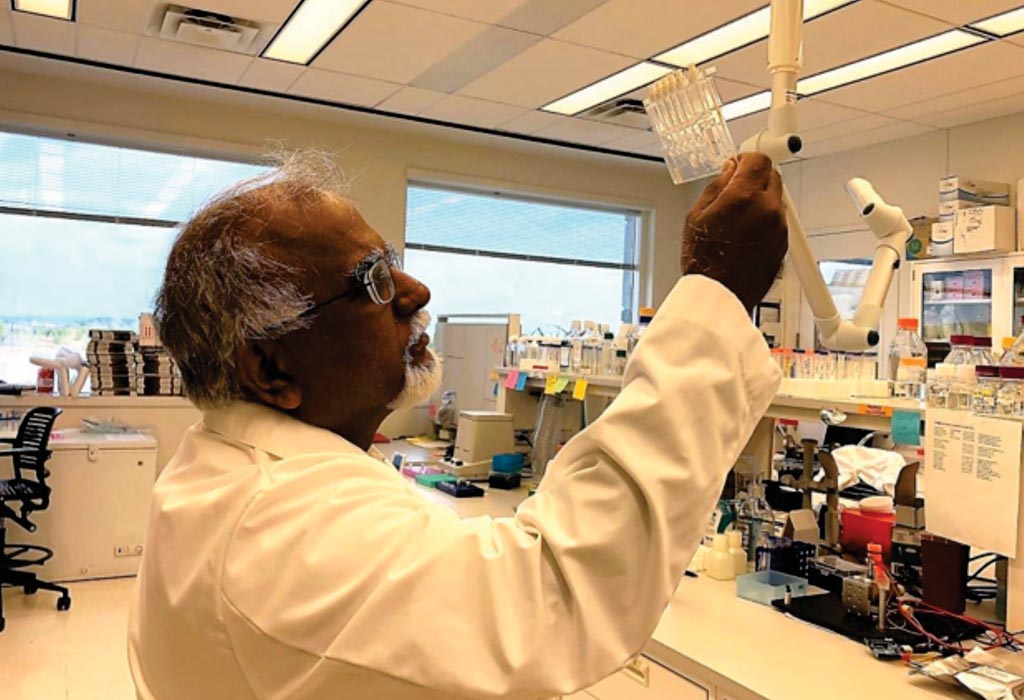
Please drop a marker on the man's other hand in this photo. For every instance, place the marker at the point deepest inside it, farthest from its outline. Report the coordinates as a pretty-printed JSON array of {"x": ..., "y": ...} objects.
[{"x": 736, "y": 232}]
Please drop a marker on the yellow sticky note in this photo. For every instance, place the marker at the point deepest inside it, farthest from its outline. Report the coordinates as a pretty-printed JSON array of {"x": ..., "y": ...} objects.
[
  {"x": 579, "y": 391},
  {"x": 561, "y": 384},
  {"x": 550, "y": 384}
]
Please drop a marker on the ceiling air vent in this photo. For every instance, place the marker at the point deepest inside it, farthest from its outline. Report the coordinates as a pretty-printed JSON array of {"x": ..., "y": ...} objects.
[
  {"x": 624, "y": 111},
  {"x": 209, "y": 29}
]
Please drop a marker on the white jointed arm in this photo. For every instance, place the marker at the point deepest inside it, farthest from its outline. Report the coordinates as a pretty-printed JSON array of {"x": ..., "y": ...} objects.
[{"x": 780, "y": 141}]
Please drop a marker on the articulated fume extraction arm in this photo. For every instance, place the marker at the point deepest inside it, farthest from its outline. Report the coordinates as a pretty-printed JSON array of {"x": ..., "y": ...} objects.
[{"x": 779, "y": 142}]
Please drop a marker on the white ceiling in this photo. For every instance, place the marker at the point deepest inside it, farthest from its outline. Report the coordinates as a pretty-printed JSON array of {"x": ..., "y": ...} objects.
[{"x": 492, "y": 64}]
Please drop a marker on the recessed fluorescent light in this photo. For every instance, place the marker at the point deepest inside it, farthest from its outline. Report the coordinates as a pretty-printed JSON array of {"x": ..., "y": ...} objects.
[
  {"x": 919, "y": 51},
  {"x": 603, "y": 90},
  {"x": 60, "y": 9},
  {"x": 311, "y": 26},
  {"x": 737, "y": 34},
  {"x": 747, "y": 105},
  {"x": 1001, "y": 25}
]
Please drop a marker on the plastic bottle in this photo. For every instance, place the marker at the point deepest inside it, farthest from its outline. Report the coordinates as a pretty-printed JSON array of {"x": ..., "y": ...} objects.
[
  {"x": 565, "y": 355},
  {"x": 718, "y": 564},
  {"x": 961, "y": 351},
  {"x": 591, "y": 357},
  {"x": 646, "y": 314},
  {"x": 575, "y": 339},
  {"x": 620, "y": 362},
  {"x": 986, "y": 387},
  {"x": 736, "y": 551},
  {"x": 907, "y": 377},
  {"x": 961, "y": 388},
  {"x": 981, "y": 350},
  {"x": 608, "y": 354},
  {"x": 938, "y": 388}
]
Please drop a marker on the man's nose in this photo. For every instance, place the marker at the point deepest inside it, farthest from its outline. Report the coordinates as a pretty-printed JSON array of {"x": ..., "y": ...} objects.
[{"x": 411, "y": 295}]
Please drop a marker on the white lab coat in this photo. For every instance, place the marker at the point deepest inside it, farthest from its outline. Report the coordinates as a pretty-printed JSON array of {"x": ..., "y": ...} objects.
[{"x": 283, "y": 562}]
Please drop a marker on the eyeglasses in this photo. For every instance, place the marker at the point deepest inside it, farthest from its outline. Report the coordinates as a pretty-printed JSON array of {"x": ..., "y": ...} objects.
[{"x": 373, "y": 275}]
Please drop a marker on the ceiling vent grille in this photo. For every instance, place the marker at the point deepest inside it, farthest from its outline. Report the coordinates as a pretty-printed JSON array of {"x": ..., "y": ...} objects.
[
  {"x": 624, "y": 111},
  {"x": 209, "y": 29}
]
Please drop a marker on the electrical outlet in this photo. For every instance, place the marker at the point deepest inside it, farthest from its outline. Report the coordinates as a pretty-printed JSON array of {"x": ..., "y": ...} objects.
[{"x": 120, "y": 550}]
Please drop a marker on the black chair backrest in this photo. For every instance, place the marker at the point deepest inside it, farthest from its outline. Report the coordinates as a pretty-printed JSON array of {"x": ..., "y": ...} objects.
[{"x": 34, "y": 433}]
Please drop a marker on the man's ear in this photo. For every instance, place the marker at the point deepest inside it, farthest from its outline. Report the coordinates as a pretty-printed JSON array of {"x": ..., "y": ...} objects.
[{"x": 263, "y": 373}]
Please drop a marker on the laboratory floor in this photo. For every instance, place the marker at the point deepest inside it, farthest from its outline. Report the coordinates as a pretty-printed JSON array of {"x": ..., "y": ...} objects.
[{"x": 75, "y": 655}]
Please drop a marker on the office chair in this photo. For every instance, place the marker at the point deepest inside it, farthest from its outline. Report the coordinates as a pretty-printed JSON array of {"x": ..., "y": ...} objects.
[{"x": 28, "y": 488}]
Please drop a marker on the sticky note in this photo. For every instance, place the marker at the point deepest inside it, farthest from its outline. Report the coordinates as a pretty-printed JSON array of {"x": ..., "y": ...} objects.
[
  {"x": 906, "y": 427},
  {"x": 511, "y": 379},
  {"x": 579, "y": 391},
  {"x": 874, "y": 410},
  {"x": 550, "y": 384},
  {"x": 560, "y": 384},
  {"x": 521, "y": 381}
]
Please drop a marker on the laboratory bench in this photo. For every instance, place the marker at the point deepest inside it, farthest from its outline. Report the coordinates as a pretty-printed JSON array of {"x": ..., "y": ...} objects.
[{"x": 712, "y": 645}]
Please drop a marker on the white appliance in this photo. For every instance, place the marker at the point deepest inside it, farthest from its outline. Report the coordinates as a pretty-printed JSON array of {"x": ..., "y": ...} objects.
[
  {"x": 99, "y": 503},
  {"x": 482, "y": 434}
]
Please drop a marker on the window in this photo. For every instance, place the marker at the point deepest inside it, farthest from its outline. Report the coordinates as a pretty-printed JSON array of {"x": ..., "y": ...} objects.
[
  {"x": 85, "y": 230},
  {"x": 495, "y": 254}
]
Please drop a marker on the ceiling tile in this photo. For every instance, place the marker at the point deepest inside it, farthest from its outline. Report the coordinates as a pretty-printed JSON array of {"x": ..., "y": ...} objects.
[
  {"x": 543, "y": 17},
  {"x": 275, "y": 11},
  {"x": 411, "y": 100},
  {"x": 345, "y": 89},
  {"x": 130, "y": 16},
  {"x": 853, "y": 32},
  {"x": 544, "y": 72},
  {"x": 395, "y": 42},
  {"x": 931, "y": 111},
  {"x": 193, "y": 61},
  {"x": 585, "y": 131},
  {"x": 6, "y": 30},
  {"x": 978, "y": 112},
  {"x": 489, "y": 12},
  {"x": 275, "y": 76},
  {"x": 845, "y": 128},
  {"x": 465, "y": 110},
  {"x": 481, "y": 54},
  {"x": 957, "y": 11},
  {"x": 889, "y": 131},
  {"x": 44, "y": 34},
  {"x": 958, "y": 71},
  {"x": 634, "y": 142},
  {"x": 106, "y": 45},
  {"x": 732, "y": 90},
  {"x": 627, "y": 27},
  {"x": 532, "y": 122}
]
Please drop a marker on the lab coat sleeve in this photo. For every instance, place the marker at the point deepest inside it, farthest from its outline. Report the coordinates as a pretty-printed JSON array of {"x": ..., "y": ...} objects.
[{"x": 354, "y": 570}]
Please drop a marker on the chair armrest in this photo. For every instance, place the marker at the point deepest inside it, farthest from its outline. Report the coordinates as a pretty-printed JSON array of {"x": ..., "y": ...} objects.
[
  {"x": 23, "y": 451},
  {"x": 8, "y": 440}
]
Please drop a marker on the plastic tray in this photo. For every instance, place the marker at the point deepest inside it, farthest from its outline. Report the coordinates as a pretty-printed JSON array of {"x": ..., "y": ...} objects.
[{"x": 765, "y": 586}]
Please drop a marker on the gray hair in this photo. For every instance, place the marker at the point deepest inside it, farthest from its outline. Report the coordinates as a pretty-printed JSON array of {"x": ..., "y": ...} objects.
[{"x": 223, "y": 286}]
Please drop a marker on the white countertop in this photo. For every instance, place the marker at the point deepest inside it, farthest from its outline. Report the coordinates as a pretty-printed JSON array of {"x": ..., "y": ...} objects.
[{"x": 31, "y": 399}]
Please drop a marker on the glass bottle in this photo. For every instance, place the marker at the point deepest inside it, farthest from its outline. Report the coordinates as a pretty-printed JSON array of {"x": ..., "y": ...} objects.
[
  {"x": 961, "y": 388},
  {"x": 986, "y": 387},
  {"x": 1014, "y": 355},
  {"x": 754, "y": 519},
  {"x": 575, "y": 339},
  {"x": 910, "y": 378},
  {"x": 646, "y": 314},
  {"x": 620, "y": 362},
  {"x": 608, "y": 354},
  {"x": 907, "y": 343},
  {"x": 512, "y": 352},
  {"x": 591, "y": 359},
  {"x": 565, "y": 355},
  {"x": 981, "y": 351},
  {"x": 938, "y": 388},
  {"x": 1010, "y": 397},
  {"x": 961, "y": 351}
]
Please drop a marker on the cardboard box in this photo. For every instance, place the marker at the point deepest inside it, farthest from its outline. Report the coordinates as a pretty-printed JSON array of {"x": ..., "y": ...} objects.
[
  {"x": 974, "y": 284},
  {"x": 941, "y": 239},
  {"x": 985, "y": 229},
  {"x": 919, "y": 243},
  {"x": 954, "y": 287},
  {"x": 972, "y": 189},
  {"x": 948, "y": 210}
]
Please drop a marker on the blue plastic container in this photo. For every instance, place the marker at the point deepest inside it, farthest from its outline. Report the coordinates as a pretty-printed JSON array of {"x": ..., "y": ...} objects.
[{"x": 508, "y": 463}]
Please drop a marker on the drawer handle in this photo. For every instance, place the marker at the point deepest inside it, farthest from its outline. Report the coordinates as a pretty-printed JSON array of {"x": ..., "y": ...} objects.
[{"x": 639, "y": 671}]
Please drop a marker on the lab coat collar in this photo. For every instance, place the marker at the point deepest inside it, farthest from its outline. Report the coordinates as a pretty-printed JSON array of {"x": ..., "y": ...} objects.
[{"x": 275, "y": 432}]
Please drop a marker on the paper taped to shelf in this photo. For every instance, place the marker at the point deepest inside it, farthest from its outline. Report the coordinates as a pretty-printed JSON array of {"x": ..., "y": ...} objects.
[{"x": 972, "y": 479}]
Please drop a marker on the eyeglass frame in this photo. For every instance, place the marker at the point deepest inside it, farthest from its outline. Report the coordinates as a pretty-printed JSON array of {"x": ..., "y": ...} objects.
[{"x": 363, "y": 274}]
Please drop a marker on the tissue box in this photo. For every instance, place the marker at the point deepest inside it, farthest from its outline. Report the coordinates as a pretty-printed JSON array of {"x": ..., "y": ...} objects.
[
  {"x": 985, "y": 229},
  {"x": 954, "y": 288},
  {"x": 941, "y": 239},
  {"x": 974, "y": 284},
  {"x": 972, "y": 189}
]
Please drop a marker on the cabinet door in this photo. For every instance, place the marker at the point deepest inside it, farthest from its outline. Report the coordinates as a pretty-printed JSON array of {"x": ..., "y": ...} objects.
[
  {"x": 646, "y": 680},
  {"x": 1015, "y": 273}
]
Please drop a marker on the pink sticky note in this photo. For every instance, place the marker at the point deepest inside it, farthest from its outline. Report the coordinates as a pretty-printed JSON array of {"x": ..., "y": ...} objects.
[{"x": 511, "y": 379}]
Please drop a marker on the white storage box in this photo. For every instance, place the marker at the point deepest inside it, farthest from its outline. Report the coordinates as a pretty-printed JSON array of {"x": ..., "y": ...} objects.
[
  {"x": 948, "y": 210},
  {"x": 971, "y": 188},
  {"x": 985, "y": 229},
  {"x": 99, "y": 505},
  {"x": 942, "y": 239}
]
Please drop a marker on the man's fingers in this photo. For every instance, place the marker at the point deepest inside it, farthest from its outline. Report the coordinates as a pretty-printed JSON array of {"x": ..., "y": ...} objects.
[
  {"x": 712, "y": 191},
  {"x": 774, "y": 187}
]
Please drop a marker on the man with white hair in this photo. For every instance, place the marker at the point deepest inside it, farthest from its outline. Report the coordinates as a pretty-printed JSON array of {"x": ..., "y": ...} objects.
[{"x": 284, "y": 560}]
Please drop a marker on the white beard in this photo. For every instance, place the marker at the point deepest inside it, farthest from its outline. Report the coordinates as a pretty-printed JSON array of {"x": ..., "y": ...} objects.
[{"x": 421, "y": 380}]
